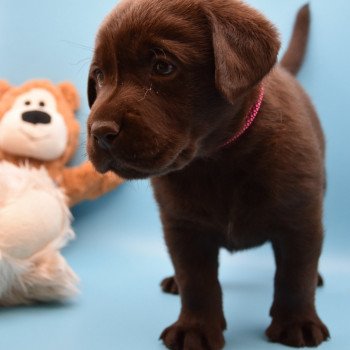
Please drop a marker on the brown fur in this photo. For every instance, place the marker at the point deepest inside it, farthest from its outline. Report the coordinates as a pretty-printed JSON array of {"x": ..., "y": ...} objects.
[
  {"x": 266, "y": 187},
  {"x": 294, "y": 56}
]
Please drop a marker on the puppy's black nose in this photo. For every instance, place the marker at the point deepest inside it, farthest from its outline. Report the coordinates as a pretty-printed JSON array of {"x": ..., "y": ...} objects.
[
  {"x": 105, "y": 133},
  {"x": 36, "y": 117}
]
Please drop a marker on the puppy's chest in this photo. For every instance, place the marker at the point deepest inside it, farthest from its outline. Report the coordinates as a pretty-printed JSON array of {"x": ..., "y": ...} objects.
[{"x": 228, "y": 206}]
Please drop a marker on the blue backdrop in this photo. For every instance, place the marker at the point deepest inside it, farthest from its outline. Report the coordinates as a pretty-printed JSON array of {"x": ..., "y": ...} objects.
[{"x": 119, "y": 252}]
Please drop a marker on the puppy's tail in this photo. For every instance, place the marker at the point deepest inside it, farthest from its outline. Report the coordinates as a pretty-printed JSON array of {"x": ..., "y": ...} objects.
[{"x": 294, "y": 56}]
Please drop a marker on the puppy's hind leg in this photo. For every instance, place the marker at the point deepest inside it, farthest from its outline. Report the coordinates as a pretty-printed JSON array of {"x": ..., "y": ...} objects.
[
  {"x": 169, "y": 285},
  {"x": 320, "y": 281}
]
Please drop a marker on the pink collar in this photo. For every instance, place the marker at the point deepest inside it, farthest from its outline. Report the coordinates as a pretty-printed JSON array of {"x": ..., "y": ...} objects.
[{"x": 249, "y": 119}]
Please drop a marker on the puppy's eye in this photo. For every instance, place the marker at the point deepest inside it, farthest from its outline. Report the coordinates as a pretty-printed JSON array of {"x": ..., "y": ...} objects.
[
  {"x": 42, "y": 104},
  {"x": 163, "y": 68},
  {"x": 100, "y": 77},
  {"x": 27, "y": 103}
]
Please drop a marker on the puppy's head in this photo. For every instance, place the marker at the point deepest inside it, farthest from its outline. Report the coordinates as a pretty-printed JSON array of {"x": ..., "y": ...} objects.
[{"x": 162, "y": 75}]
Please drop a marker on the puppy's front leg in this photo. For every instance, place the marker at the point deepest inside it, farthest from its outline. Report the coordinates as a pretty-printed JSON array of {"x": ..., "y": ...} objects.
[
  {"x": 194, "y": 253},
  {"x": 295, "y": 321}
]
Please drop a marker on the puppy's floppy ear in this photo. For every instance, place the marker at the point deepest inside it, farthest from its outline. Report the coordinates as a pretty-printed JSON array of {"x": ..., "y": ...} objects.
[
  {"x": 245, "y": 46},
  {"x": 91, "y": 91}
]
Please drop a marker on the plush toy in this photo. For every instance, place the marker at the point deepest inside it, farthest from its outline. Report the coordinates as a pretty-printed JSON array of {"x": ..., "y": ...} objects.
[{"x": 38, "y": 136}]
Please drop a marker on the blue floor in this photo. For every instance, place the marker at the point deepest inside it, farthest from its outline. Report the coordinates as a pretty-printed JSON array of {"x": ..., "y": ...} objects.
[{"x": 119, "y": 252}]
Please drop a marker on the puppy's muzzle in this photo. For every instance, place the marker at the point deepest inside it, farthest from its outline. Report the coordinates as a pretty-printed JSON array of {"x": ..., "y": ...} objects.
[{"x": 105, "y": 133}]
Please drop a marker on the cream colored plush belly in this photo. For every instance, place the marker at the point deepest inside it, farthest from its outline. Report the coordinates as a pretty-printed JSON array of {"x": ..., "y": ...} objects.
[{"x": 33, "y": 211}]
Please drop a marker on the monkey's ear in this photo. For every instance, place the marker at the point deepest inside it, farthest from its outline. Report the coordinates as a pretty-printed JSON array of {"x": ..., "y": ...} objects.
[
  {"x": 4, "y": 86},
  {"x": 71, "y": 94},
  {"x": 92, "y": 93},
  {"x": 245, "y": 46}
]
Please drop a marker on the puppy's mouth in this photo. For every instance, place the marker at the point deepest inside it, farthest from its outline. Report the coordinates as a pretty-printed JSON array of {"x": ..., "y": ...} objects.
[{"x": 142, "y": 168}]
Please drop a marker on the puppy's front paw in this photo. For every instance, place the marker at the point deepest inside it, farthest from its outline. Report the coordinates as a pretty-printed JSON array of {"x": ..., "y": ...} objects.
[
  {"x": 169, "y": 285},
  {"x": 298, "y": 333},
  {"x": 192, "y": 337}
]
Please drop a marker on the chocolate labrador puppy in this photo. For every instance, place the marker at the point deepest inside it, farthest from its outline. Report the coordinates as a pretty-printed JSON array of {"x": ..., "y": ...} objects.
[{"x": 187, "y": 92}]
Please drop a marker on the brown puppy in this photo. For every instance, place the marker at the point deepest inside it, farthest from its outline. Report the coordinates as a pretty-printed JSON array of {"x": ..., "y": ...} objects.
[{"x": 170, "y": 83}]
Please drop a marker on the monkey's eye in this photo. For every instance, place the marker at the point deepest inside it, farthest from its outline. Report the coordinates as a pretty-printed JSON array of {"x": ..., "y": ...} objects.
[
  {"x": 163, "y": 68},
  {"x": 100, "y": 77}
]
